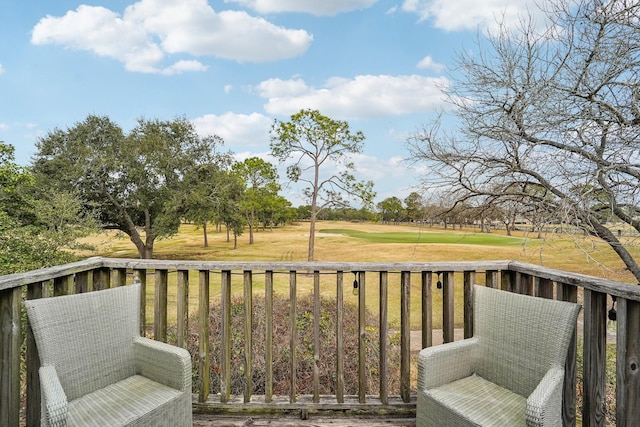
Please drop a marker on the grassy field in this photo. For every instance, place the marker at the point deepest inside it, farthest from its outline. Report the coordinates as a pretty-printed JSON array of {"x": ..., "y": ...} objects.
[{"x": 345, "y": 241}]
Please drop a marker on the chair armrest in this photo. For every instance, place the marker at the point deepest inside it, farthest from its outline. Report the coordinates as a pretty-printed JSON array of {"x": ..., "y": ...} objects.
[
  {"x": 445, "y": 363},
  {"x": 163, "y": 363},
  {"x": 544, "y": 404},
  {"x": 54, "y": 399}
]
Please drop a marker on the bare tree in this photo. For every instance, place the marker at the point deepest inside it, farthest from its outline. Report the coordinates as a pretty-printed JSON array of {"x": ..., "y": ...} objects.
[{"x": 555, "y": 110}]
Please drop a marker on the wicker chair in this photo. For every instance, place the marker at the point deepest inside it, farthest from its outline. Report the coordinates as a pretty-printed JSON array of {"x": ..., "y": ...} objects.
[
  {"x": 510, "y": 373},
  {"x": 96, "y": 370}
]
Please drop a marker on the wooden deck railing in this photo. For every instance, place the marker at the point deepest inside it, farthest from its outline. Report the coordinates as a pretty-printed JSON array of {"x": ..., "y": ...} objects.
[{"x": 418, "y": 286}]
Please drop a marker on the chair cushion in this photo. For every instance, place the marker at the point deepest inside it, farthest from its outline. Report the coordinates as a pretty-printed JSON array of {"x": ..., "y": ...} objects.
[
  {"x": 480, "y": 402},
  {"x": 133, "y": 401}
]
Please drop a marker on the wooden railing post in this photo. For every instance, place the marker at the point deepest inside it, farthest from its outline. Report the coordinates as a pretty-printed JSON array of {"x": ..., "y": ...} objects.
[
  {"x": 119, "y": 277},
  {"x": 225, "y": 369},
  {"x": 204, "y": 365},
  {"x": 268, "y": 294},
  {"x": 10, "y": 340},
  {"x": 316, "y": 337},
  {"x": 362, "y": 339},
  {"x": 82, "y": 282},
  {"x": 384, "y": 336},
  {"x": 339, "y": 337},
  {"x": 140, "y": 276},
  {"x": 628, "y": 363},
  {"x": 248, "y": 335},
  {"x": 569, "y": 395},
  {"x": 491, "y": 279},
  {"x": 101, "y": 279},
  {"x": 182, "y": 308},
  {"x": 61, "y": 285},
  {"x": 427, "y": 309},
  {"x": 469, "y": 281},
  {"x": 293, "y": 317},
  {"x": 448, "y": 323},
  {"x": 160, "y": 306},
  {"x": 595, "y": 335},
  {"x": 34, "y": 291},
  {"x": 405, "y": 336}
]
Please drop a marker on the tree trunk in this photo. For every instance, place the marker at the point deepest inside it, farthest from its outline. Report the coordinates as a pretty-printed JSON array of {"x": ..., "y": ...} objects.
[
  {"x": 251, "y": 219},
  {"x": 204, "y": 230}
]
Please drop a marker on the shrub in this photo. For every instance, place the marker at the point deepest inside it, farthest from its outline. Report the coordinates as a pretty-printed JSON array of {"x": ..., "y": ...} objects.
[{"x": 304, "y": 348}]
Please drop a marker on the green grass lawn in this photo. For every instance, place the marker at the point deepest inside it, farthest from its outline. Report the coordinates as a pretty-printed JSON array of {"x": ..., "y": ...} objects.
[{"x": 412, "y": 237}]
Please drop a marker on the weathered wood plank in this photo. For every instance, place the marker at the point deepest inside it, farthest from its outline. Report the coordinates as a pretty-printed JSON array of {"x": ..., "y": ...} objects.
[
  {"x": 248, "y": 334},
  {"x": 316, "y": 336},
  {"x": 268, "y": 292},
  {"x": 160, "y": 311},
  {"x": 32, "y": 366},
  {"x": 542, "y": 288},
  {"x": 405, "y": 335},
  {"x": 507, "y": 280},
  {"x": 82, "y": 282},
  {"x": 101, "y": 278},
  {"x": 362, "y": 338},
  {"x": 628, "y": 364},
  {"x": 595, "y": 333},
  {"x": 61, "y": 285},
  {"x": 427, "y": 309},
  {"x": 182, "y": 307},
  {"x": 491, "y": 279},
  {"x": 448, "y": 322},
  {"x": 44, "y": 274},
  {"x": 384, "y": 336},
  {"x": 204, "y": 365},
  {"x": 140, "y": 276},
  {"x": 225, "y": 369},
  {"x": 340, "y": 337},
  {"x": 293, "y": 316},
  {"x": 286, "y": 266},
  {"x": 569, "y": 293},
  {"x": 119, "y": 277},
  {"x": 469, "y": 281},
  {"x": 10, "y": 340}
]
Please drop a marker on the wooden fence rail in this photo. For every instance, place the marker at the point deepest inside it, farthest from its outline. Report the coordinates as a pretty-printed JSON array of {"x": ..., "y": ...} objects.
[{"x": 413, "y": 282}]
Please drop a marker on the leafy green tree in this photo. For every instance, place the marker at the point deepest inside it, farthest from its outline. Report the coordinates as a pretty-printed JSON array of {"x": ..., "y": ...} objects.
[
  {"x": 320, "y": 151},
  {"x": 206, "y": 185},
  {"x": 414, "y": 206},
  {"x": 36, "y": 227},
  {"x": 132, "y": 181},
  {"x": 229, "y": 206},
  {"x": 391, "y": 209},
  {"x": 261, "y": 179}
]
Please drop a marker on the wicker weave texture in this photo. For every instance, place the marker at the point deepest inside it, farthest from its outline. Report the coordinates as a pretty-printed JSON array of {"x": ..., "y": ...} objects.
[
  {"x": 97, "y": 370},
  {"x": 513, "y": 364}
]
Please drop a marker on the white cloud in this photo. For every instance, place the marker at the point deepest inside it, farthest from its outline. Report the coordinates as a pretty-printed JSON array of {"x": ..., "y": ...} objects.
[
  {"x": 1, "y": 69},
  {"x": 428, "y": 63},
  {"x": 470, "y": 14},
  {"x": 149, "y": 30},
  {"x": 364, "y": 96},
  {"x": 314, "y": 7},
  {"x": 237, "y": 130},
  {"x": 4, "y": 127},
  {"x": 184, "y": 66}
]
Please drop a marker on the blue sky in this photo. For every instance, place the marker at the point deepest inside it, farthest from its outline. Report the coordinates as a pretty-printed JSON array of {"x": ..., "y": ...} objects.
[{"x": 233, "y": 66}]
